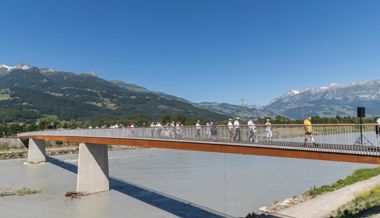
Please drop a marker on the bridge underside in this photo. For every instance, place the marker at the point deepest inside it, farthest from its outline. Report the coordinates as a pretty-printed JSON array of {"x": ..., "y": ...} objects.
[{"x": 225, "y": 147}]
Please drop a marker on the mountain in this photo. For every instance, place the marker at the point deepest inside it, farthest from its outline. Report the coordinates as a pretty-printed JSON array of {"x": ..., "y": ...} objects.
[
  {"x": 329, "y": 101},
  {"x": 27, "y": 93},
  {"x": 244, "y": 112}
]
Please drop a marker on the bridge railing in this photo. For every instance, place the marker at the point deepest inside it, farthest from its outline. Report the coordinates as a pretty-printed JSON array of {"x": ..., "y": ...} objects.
[{"x": 332, "y": 134}]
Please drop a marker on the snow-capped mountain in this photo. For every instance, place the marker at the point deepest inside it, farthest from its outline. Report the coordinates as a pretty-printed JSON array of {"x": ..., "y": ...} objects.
[
  {"x": 330, "y": 100},
  {"x": 5, "y": 68}
]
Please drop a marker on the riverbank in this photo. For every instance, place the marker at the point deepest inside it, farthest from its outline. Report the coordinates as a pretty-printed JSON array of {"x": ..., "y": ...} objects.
[
  {"x": 356, "y": 194},
  {"x": 11, "y": 148},
  {"x": 22, "y": 153},
  {"x": 365, "y": 204}
]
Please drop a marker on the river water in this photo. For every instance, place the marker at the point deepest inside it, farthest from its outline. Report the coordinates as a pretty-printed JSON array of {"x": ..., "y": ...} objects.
[
  {"x": 227, "y": 183},
  {"x": 235, "y": 183}
]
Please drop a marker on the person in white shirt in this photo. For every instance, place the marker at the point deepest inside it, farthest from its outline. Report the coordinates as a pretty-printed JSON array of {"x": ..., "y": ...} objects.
[
  {"x": 268, "y": 130},
  {"x": 178, "y": 130},
  {"x": 230, "y": 129},
  {"x": 198, "y": 129},
  {"x": 252, "y": 130},
  {"x": 166, "y": 130},
  {"x": 159, "y": 129},
  {"x": 208, "y": 129},
  {"x": 172, "y": 132},
  {"x": 237, "y": 129},
  {"x": 132, "y": 129},
  {"x": 152, "y": 129}
]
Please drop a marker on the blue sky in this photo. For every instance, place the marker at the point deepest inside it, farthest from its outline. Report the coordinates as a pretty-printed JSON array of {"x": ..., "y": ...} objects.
[{"x": 198, "y": 49}]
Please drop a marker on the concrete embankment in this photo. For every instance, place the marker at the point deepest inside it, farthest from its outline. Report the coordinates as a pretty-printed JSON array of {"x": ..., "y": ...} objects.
[
  {"x": 22, "y": 153},
  {"x": 13, "y": 148},
  {"x": 11, "y": 143}
]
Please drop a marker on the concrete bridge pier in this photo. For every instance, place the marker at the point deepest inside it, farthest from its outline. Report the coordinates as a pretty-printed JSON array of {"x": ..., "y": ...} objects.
[
  {"x": 36, "y": 151},
  {"x": 93, "y": 173}
]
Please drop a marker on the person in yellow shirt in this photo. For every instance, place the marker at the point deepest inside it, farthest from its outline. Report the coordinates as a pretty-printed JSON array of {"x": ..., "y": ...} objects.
[{"x": 309, "y": 130}]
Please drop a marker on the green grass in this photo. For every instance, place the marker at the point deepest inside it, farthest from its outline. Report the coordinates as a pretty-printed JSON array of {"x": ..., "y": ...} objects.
[
  {"x": 361, "y": 203},
  {"x": 357, "y": 176}
]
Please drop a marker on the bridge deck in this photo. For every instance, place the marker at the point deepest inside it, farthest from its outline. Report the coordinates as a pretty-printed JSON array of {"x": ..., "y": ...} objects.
[{"x": 323, "y": 151}]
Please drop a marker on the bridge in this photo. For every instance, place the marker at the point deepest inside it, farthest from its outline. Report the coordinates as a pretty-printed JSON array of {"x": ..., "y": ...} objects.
[{"x": 344, "y": 143}]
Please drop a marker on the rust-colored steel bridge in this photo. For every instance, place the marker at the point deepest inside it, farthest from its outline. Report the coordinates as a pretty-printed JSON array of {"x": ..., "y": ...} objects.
[
  {"x": 331, "y": 144},
  {"x": 342, "y": 153}
]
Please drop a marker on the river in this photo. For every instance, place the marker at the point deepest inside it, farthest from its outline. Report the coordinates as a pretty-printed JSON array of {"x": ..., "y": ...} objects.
[{"x": 228, "y": 183}]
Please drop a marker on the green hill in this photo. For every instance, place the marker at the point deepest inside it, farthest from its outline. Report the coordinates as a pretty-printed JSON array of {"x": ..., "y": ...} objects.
[{"x": 28, "y": 93}]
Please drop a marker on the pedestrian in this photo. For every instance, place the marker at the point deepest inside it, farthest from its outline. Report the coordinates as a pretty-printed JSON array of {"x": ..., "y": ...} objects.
[
  {"x": 252, "y": 130},
  {"x": 182, "y": 130},
  {"x": 308, "y": 131},
  {"x": 198, "y": 129},
  {"x": 172, "y": 132},
  {"x": 132, "y": 128},
  {"x": 159, "y": 129},
  {"x": 378, "y": 128},
  {"x": 214, "y": 130},
  {"x": 152, "y": 129},
  {"x": 237, "y": 129},
  {"x": 129, "y": 130},
  {"x": 178, "y": 130},
  {"x": 167, "y": 130},
  {"x": 268, "y": 130},
  {"x": 230, "y": 129},
  {"x": 208, "y": 129}
]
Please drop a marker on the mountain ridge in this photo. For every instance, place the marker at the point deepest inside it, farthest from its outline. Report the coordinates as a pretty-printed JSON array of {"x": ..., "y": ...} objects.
[
  {"x": 329, "y": 101},
  {"x": 84, "y": 96},
  {"x": 27, "y": 93},
  {"x": 244, "y": 112}
]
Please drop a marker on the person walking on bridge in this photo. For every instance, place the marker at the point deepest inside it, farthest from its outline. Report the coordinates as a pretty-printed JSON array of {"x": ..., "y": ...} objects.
[
  {"x": 198, "y": 129},
  {"x": 308, "y": 131},
  {"x": 152, "y": 129},
  {"x": 214, "y": 130},
  {"x": 178, "y": 130},
  {"x": 208, "y": 129},
  {"x": 268, "y": 130},
  {"x": 230, "y": 129},
  {"x": 252, "y": 130},
  {"x": 159, "y": 129},
  {"x": 237, "y": 129},
  {"x": 378, "y": 128}
]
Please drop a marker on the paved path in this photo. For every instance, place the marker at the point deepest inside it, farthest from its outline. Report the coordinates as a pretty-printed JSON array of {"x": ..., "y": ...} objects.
[{"x": 322, "y": 206}]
